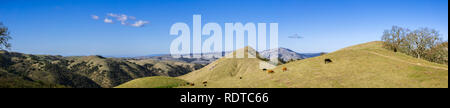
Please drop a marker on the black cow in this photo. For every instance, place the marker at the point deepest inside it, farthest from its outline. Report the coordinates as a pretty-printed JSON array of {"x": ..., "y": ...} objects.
[{"x": 328, "y": 61}]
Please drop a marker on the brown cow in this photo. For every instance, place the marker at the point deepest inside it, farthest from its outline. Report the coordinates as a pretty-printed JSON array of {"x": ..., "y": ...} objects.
[
  {"x": 284, "y": 69},
  {"x": 205, "y": 82},
  {"x": 270, "y": 71},
  {"x": 192, "y": 84}
]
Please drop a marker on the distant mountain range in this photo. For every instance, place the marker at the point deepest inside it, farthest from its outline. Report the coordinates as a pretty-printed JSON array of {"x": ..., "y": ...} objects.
[{"x": 283, "y": 53}]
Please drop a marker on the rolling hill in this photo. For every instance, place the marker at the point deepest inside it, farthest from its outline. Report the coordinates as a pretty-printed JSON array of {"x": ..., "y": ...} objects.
[
  {"x": 47, "y": 71},
  {"x": 365, "y": 65}
]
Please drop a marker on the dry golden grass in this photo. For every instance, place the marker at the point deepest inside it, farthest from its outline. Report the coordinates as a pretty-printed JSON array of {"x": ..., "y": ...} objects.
[{"x": 360, "y": 66}]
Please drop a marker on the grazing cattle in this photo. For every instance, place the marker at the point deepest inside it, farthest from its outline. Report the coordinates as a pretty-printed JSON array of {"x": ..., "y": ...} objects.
[
  {"x": 270, "y": 71},
  {"x": 204, "y": 85},
  {"x": 328, "y": 61},
  {"x": 284, "y": 69},
  {"x": 205, "y": 82},
  {"x": 264, "y": 69},
  {"x": 240, "y": 77},
  {"x": 192, "y": 84},
  {"x": 188, "y": 83}
]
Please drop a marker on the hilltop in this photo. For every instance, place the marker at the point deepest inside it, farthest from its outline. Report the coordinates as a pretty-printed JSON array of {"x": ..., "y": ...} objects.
[{"x": 361, "y": 66}]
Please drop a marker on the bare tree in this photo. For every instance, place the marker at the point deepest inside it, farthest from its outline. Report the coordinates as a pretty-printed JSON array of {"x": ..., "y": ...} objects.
[
  {"x": 421, "y": 40},
  {"x": 4, "y": 37},
  {"x": 422, "y": 43},
  {"x": 394, "y": 38}
]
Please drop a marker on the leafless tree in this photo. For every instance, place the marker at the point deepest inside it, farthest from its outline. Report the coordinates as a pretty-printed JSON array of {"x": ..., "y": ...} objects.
[
  {"x": 421, "y": 40},
  {"x": 394, "y": 38}
]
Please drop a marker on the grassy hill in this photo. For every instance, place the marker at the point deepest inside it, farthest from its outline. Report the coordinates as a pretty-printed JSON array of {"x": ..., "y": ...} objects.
[
  {"x": 361, "y": 66},
  {"x": 153, "y": 82},
  {"x": 81, "y": 71}
]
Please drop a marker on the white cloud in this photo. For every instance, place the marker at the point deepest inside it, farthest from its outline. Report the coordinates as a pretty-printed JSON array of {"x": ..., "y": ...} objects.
[
  {"x": 95, "y": 17},
  {"x": 123, "y": 19},
  {"x": 108, "y": 20},
  {"x": 139, "y": 23}
]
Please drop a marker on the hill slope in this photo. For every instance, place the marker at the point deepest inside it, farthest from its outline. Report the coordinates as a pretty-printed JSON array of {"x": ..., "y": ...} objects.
[
  {"x": 81, "y": 71},
  {"x": 153, "y": 82},
  {"x": 364, "y": 65},
  {"x": 8, "y": 80}
]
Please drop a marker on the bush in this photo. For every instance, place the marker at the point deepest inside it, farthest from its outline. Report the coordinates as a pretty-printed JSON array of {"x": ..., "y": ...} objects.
[{"x": 438, "y": 53}]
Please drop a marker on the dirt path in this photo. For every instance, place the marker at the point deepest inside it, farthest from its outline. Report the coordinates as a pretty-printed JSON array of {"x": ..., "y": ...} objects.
[{"x": 417, "y": 64}]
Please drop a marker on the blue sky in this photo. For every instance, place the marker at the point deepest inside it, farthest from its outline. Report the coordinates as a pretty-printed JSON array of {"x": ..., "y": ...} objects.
[{"x": 66, "y": 27}]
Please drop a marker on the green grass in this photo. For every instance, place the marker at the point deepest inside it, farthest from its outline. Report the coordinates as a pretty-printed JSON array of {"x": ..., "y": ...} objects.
[
  {"x": 153, "y": 82},
  {"x": 361, "y": 66}
]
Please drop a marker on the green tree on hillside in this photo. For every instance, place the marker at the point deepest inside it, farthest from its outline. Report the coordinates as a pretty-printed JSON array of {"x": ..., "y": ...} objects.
[{"x": 4, "y": 37}]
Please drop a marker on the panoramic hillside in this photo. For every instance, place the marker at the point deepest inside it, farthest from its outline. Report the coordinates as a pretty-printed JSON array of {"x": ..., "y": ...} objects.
[
  {"x": 43, "y": 71},
  {"x": 361, "y": 66}
]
